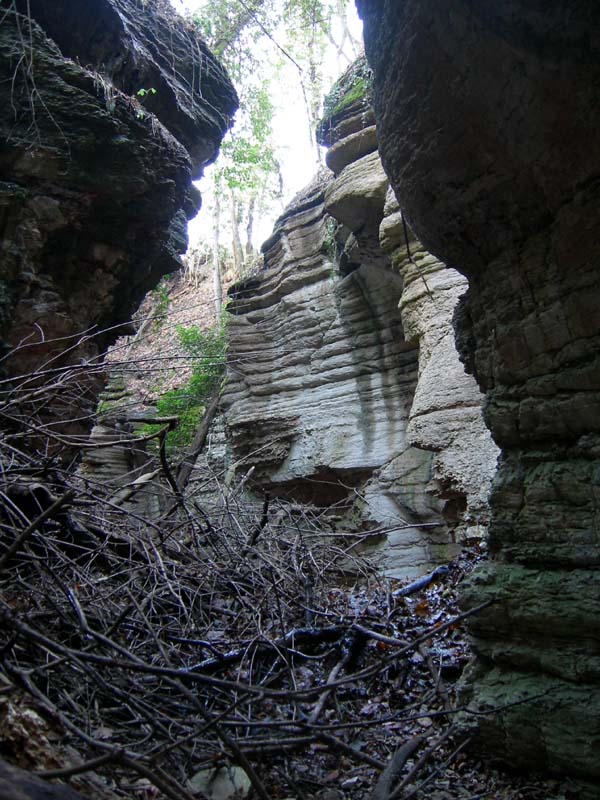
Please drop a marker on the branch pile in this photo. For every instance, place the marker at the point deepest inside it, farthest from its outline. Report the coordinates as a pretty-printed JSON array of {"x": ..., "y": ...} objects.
[{"x": 164, "y": 652}]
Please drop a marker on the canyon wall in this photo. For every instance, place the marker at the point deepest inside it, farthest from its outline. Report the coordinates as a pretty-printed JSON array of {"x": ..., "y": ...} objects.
[
  {"x": 487, "y": 120},
  {"x": 110, "y": 108},
  {"x": 344, "y": 387}
]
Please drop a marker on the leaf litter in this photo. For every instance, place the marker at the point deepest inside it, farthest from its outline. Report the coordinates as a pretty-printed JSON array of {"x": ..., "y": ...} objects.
[{"x": 230, "y": 641}]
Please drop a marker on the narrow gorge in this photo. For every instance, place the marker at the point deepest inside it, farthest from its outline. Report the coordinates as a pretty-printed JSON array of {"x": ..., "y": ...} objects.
[{"x": 380, "y": 515}]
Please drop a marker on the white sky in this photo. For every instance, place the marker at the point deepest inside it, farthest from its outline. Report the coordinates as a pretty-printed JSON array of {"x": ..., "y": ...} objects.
[{"x": 290, "y": 125}]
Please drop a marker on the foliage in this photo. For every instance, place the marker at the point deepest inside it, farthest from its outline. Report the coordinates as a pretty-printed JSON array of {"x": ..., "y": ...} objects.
[
  {"x": 354, "y": 87},
  {"x": 143, "y": 92},
  {"x": 258, "y": 40},
  {"x": 207, "y": 350},
  {"x": 248, "y": 154},
  {"x": 223, "y": 24},
  {"x": 329, "y": 241}
]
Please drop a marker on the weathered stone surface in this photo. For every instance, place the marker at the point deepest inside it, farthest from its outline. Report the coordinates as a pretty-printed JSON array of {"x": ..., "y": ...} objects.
[
  {"x": 357, "y": 196},
  {"x": 96, "y": 182},
  {"x": 321, "y": 385},
  {"x": 351, "y": 148},
  {"x": 307, "y": 343},
  {"x": 147, "y": 48},
  {"x": 487, "y": 124},
  {"x": 445, "y": 417},
  {"x": 119, "y": 463},
  {"x": 446, "y": 414},
  {"x": 347, "y": 107}
]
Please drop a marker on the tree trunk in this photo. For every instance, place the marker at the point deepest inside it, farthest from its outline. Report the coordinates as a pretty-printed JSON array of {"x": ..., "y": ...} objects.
[
  {"x": 217, "y": 285},
  {"x": 250, "y": 227},
  {"x": 316, "y": 84},
  {"x": 236, "y": 244}
]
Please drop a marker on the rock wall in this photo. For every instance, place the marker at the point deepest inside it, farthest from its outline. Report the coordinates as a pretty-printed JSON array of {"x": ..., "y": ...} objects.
[
  {"x": 345, "y": 388},
  {"x": 446, "y": 413},
  {"x": 487, "y": 122},
  {"x": 95, "y": 184},
  {"x": 321, "y": 382}
]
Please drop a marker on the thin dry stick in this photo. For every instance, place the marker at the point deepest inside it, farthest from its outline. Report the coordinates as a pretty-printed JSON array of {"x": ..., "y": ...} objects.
[
  {"x": 320, "y": 704},
  {"x": 78, "y": 769},
  {"x": 397, "y": 793},
  {"x": 24, "y": 535},
  {"x": 435, "y": 772}
]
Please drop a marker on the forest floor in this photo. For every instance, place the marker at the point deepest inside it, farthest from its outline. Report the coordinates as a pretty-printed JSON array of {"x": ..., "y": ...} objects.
[{"x": 160, "y": 658}]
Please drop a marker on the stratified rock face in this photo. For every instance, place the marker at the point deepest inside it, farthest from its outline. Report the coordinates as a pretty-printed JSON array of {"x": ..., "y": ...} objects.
[
  {"x": 488, "y": 123},
  {"x": 96, "y": 178},
  {"x": 345, "y": 386},
  {"x": 321, "y": 382},
  {"x": 446, "y": 414}
]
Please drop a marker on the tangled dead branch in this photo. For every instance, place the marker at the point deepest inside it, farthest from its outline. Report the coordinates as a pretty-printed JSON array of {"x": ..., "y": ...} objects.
[{"x": 166, "y": 650}]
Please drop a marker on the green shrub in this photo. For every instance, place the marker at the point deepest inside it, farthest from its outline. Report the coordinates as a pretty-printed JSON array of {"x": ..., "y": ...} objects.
[
  {"x": 162, "y": 301},
  {"x": 208, "y": 352}
]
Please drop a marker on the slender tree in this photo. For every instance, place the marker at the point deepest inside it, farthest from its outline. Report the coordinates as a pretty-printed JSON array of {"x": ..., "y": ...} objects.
[{"x": 254, "y": 38}]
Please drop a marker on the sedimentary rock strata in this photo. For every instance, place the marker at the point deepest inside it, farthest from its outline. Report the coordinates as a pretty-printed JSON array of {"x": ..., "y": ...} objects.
[
  {"x": 321, "y": 379},
  {"x": 487, "y": 124},
  {"x": 446, "y": 413},
  {"x": 445, "y": 417},
  {"x": 345, "y": 386}
]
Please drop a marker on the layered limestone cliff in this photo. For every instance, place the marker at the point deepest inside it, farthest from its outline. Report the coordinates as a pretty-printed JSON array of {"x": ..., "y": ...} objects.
[
  {"x": 487, "y": 122},
  {"x": 446, "y": 413},
  {"x": 110, "y": 108},
  {"x": 321, "y": 382},
  {"x": 345, "y": 389}
]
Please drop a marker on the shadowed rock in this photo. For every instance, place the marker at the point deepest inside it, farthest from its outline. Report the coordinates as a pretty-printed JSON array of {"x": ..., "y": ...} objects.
[
  {"x": 487, "y": 120},
  {"x": 16, "y": 784},
  {"x": 95, "y": 178}
]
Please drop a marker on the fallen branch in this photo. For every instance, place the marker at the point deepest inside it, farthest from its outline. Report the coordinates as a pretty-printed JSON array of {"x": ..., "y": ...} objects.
[
  {"x": 422, "y": 583},
  {"x": 386, "y": 780},
  {"x": 187, "y": 465},
  {"x": 397, "y": 793},
  {"x": 24, "y": 535}
]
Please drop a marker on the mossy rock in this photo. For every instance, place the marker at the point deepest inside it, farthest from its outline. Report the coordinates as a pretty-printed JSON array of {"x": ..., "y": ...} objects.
[{"x": 350, "y": 95}]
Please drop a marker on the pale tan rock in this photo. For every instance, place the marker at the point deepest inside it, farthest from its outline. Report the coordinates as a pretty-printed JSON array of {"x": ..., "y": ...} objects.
[
  {"x": 446, "y": 415},
  {"x": 351, "y": 148},
  {"x": 357, "y": 196},
  {"x": 321, "y": 384},
  {"x": 350, "y": 383}
]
